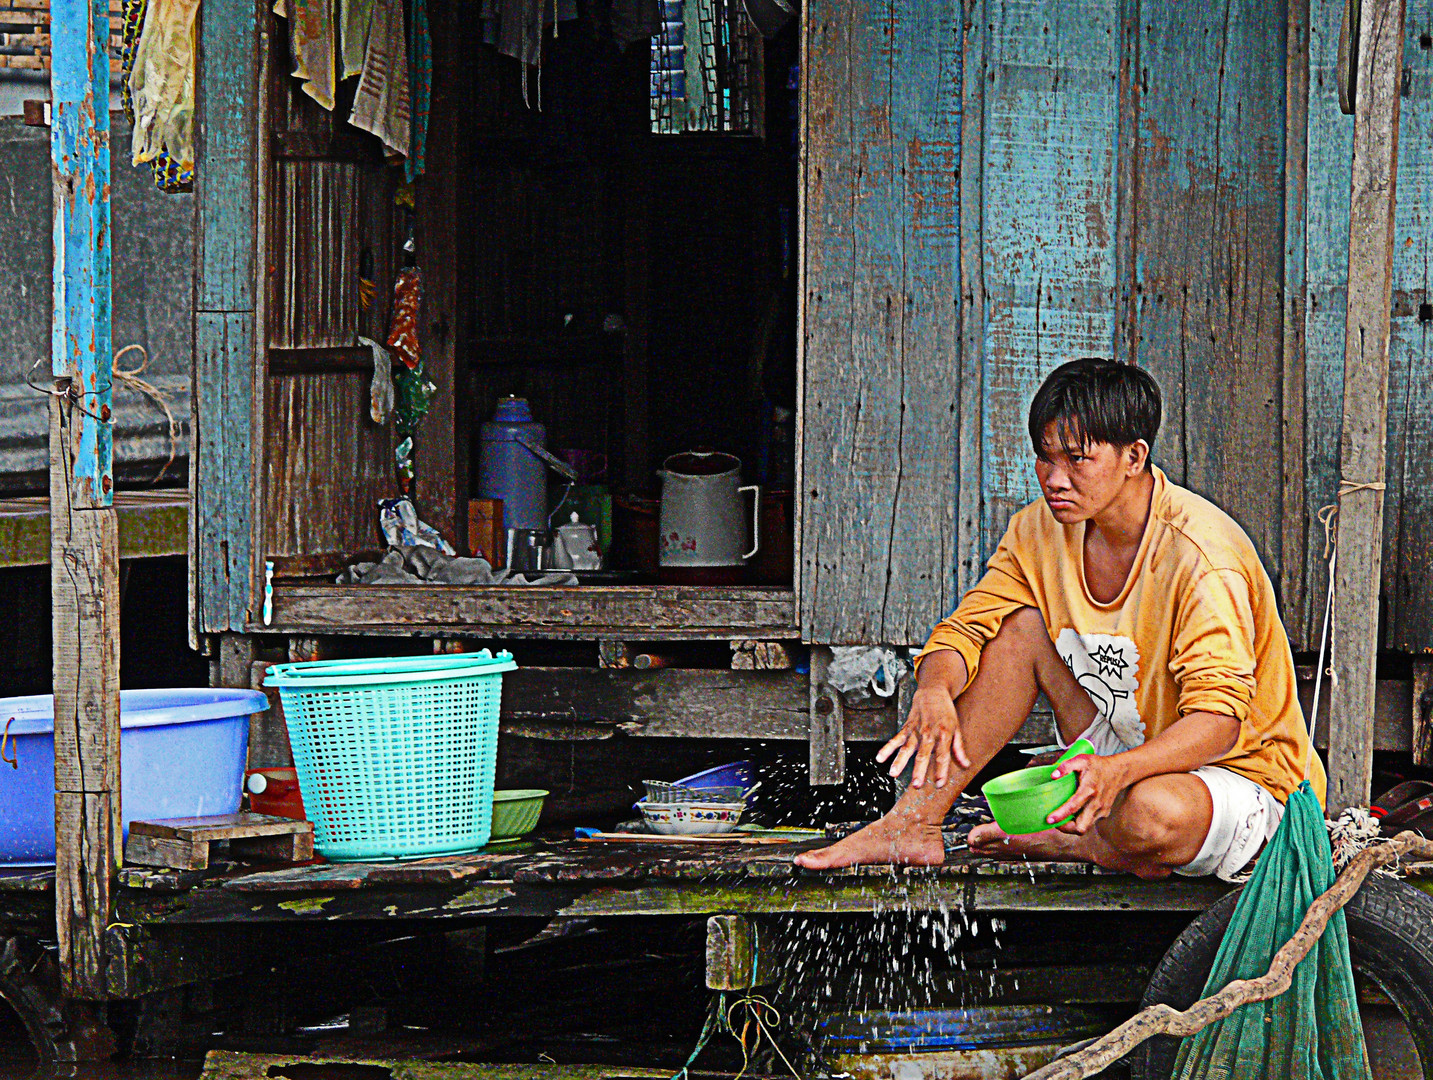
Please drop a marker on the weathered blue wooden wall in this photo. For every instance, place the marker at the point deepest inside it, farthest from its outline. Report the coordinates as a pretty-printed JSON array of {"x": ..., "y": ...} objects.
[
  {"x": 1048, "y": 219},
  {"x": 226, "y": 229},
  {"x": 1131, "y": 191},
  {"x": 882, "y": 139}
]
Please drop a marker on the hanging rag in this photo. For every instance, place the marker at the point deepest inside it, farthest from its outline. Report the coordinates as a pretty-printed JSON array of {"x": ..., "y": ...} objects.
[
  {"x": 354, "y": 17},
  {"x": 515, "y": 27},
  {"x": 381, "y": 104},
  {"x": 162, "y": 84},
  {"x": 420, "y": 73},
  {"x": 311, "y": 43},
  {"x": 380, "y": 389},
  {"x": 407, "y": 301}
]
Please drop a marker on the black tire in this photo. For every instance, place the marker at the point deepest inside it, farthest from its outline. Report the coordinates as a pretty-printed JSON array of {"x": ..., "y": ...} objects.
[{"x": 1390, "y": 932}]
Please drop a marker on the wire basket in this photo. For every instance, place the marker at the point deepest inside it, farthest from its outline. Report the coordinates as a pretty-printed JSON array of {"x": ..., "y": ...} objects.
[{"x": 395, "y": 756}]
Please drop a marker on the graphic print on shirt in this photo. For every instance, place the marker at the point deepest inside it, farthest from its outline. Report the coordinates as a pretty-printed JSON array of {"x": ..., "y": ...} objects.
[{"x": 1107, "y": 666}]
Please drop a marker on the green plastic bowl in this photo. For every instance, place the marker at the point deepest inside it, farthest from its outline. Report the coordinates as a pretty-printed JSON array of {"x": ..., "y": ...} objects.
[
  {"x": 515, "y": 812},
  {"x": 1023, "y": 799}
]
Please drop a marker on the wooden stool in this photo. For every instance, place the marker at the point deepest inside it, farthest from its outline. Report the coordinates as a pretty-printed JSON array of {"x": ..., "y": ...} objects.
[{"x": 183, "y": 843}]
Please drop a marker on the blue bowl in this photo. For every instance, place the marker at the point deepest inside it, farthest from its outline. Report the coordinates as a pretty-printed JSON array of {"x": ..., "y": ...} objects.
[{"x": 181, "y": 755}]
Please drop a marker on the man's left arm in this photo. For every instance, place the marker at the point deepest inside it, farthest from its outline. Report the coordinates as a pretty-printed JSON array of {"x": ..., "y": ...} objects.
[{"x": 1213, "y": 662}]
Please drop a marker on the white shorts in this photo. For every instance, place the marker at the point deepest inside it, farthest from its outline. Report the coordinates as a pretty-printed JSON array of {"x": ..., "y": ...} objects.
[{"x": 1245, "y": 814}]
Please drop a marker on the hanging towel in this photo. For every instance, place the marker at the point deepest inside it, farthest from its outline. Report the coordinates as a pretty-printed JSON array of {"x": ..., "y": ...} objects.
[
  {"x": 311, "y": 41},
  {"x": 380, "y": 104},
  {"x": 162, "y": 84},
  {"x": 354, "y": 17},
  {"x": 420, "y": 67}
]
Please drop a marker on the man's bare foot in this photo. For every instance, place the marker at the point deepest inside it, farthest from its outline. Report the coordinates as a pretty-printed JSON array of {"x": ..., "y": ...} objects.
[
  {"x": 884, "y": 842},
  {"x": 991, "y": 842}
]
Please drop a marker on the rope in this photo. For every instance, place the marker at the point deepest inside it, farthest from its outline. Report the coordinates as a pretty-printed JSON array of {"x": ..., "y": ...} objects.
[
  {"x": 1328, "y": 518},
  {"x": 762, "y": 1017},
  {"x": 1328, "y": 515},
  {"x": 716, "y": 1016},
  {"x": 131, "y": 379}
]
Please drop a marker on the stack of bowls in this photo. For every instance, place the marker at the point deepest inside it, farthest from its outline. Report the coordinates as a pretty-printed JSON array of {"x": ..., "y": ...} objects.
[{"x": 697, "y": 805}]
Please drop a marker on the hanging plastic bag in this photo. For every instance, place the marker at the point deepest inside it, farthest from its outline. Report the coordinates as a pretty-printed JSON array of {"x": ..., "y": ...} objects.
[{"x": 162, "y": 83}]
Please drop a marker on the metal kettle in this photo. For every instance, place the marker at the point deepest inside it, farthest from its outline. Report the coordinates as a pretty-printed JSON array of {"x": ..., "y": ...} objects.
[{"x": 703, "y": 520}]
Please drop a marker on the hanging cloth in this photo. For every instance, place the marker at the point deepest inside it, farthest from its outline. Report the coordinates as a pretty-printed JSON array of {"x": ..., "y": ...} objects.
[
  {"x": 420, "y": 69},
  {"x": 380, "y": 104},
  {"x": 169, "y": 175},
  {"x": 1312, "y": 1030},
  {"x": 162, "y": 84},
  {"x": 311, "y": 43},
  {"x": 354, "y": 17}
]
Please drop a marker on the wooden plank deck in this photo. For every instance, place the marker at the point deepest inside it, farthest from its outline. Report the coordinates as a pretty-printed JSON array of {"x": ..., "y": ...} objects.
[{"x": 565, "y": 879}]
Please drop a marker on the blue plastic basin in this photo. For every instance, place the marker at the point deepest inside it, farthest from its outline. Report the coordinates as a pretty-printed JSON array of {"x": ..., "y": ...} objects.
[{"x": 181, "y": 755}]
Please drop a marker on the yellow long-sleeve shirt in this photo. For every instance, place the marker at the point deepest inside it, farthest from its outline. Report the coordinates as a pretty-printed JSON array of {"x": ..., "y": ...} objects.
[{"x": 1195, "y": 629}]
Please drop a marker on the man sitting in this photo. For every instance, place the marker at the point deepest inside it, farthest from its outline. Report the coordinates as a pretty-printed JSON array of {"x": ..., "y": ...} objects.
[{"x": 1143, "y": 613}]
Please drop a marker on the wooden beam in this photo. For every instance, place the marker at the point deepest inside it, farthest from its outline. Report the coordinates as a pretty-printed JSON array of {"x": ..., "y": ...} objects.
[
  {"x": 151, "y": 524},
  {"x": 1363, "y": 447},
  {"x": 627, "y": 612},
  {"x": 827, "y": 723},
  {"x": 84, "y": 531},
  {"x": 675, "y": 702}
]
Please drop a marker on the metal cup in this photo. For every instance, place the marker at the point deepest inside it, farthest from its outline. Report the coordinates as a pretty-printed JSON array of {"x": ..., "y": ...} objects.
[{"x": 525, "y": 550}]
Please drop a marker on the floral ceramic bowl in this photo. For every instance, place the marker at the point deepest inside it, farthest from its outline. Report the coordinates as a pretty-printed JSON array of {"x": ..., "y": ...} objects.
[{"x": 691, "y": 818}]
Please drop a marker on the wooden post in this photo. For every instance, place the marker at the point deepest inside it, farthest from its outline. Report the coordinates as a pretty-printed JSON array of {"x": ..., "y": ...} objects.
[
  {"x": 84, "y": 533},
  {"x": 828, "y": 723},
  {"x": 1365, "y": 403}
]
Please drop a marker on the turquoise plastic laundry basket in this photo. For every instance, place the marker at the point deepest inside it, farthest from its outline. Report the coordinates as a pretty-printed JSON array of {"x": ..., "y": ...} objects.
[{"x": 395, "y": 756}]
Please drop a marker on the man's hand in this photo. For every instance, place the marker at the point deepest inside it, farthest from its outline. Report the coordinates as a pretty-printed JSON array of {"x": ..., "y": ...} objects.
[
  {"x": 1101, "y": 781},
  {"x": 933, "y": 728},
  {"x": 1189, "y": 743}
]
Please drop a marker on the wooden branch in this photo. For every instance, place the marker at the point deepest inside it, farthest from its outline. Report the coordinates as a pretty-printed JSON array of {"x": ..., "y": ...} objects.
[{"x": 1164, "y": 1020}]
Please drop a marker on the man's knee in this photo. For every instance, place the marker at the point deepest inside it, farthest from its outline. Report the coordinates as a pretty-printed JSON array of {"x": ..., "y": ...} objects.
[
  {"x": 1149, "y": 822},
  {"x": 1023, "y": 631}
]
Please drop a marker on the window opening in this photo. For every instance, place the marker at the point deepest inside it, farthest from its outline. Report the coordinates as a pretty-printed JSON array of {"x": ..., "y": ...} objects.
[{"x": 706, "y": 69}]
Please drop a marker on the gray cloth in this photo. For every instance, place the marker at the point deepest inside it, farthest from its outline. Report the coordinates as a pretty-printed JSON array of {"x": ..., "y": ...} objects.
[{"x": 425, "y": 565}]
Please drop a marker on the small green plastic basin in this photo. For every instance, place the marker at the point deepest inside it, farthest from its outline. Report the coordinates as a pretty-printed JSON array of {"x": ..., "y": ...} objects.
[
  {"x": 1023, "y": 799},
  {"x": 515, "y": 812}
]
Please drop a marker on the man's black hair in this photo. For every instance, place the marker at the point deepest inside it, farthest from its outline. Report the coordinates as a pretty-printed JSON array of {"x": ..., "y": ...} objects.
[{"x": 1093, "y": 400}]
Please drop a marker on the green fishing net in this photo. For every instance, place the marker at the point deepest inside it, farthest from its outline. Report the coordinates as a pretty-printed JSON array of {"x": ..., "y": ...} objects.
[{"x": 1312, "y": 1030}]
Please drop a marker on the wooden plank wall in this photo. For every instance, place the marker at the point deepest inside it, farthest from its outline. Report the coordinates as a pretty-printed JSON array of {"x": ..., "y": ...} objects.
[
  {"x": 1208, "y": 250},
  {"x": 326, "y": 464},
  {"x": 1137, "y": 195},
  {"x": 1051, "y": 119},
  {"x": 882, "y": 130},
  {"x": 1408, "y": 542},
  {"x": 225, "y": 229}
]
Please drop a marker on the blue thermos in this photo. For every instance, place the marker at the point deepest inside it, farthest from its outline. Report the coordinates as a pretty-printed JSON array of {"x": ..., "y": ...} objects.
[{"x": 509, "y": 470}]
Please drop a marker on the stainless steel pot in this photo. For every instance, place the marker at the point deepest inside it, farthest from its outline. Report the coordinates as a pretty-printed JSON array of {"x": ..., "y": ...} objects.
[{"x": 703, "y": 519}]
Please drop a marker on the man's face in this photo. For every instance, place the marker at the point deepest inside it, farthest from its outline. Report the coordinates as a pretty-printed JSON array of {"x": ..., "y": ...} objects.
[{"x": 1086, "y": 479}]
